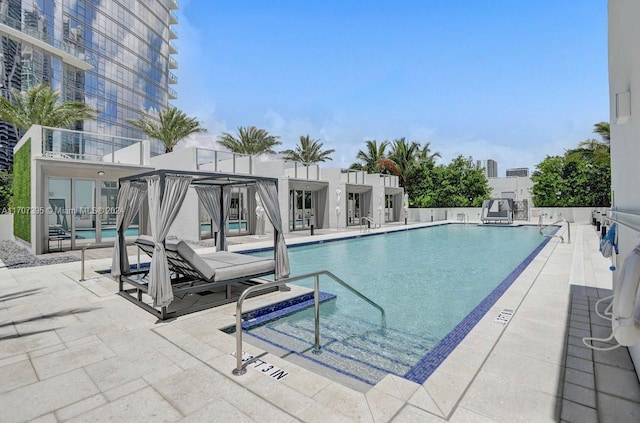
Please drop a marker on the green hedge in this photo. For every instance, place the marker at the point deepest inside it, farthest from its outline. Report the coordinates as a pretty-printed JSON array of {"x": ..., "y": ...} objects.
[{"x": 22, "y": 192}]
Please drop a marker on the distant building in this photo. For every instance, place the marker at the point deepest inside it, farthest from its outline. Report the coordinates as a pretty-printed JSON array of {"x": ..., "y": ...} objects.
[
  {"x": 518, "y": 171},
  {"x": 490, "y": 167}
]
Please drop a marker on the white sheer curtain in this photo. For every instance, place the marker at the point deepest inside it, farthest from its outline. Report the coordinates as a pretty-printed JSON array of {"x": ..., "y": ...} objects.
[
  {"x": 269, "y": 196},
  {"x": 130, "y": 197},
  {"x": 209, "y": 196},
  {"x": 162, "y": 213}
]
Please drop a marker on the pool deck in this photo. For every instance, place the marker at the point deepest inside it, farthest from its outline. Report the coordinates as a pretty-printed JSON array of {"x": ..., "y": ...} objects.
[{"x": 73, "y": 350}]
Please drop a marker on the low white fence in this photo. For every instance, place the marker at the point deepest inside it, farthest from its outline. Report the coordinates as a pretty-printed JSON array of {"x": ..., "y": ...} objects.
[{"x": 472, "y": 214}]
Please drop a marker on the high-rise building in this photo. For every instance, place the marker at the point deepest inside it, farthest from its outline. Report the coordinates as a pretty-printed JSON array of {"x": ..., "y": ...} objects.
[
  {"x": 490, "y": 167},
  {"x": 518, "y": 171},
  {"x": 114, "y": 55}
]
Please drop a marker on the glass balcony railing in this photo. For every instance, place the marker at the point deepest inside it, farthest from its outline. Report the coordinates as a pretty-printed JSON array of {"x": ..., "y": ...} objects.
[
  {"x": 299, "y": 170},
  {"x": 173, "y": 4},
  {"x": 173, "y": 64},
  {"x": 223, "y": 161},
  {"x": 69, "y": 46},
  {"x": 173, "y": 79},
  {"x": 351, "y": 176},
  {"x": 78, "y": 145},
  {"x": 172, "y": 48},
  {"x": 172, "y": 93}
]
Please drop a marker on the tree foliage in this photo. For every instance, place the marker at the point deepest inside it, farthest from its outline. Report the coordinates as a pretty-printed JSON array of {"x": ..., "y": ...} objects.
[
  {"x": 40, "y": 105},
  {"x": 563, "y": 181},
  {"x": 461, "y": 183},
  {"x": 249, "y": 140},
  {"x": 308, "y": 151},
  {"x": 6, "y": 192},
  {"x": 172, "y": 126}
]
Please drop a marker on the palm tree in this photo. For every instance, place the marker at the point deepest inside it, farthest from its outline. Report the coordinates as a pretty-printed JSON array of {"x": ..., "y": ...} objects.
[
  {"x": 308, "y": 151},
  {"x": 39, "y": 105},
  {"x": 591, "y": 150},
  {"x": 406, "y": 157},
  {"x": 171, "y": 127},
  {"x": 374, "y": 159},
  {"x": 250, "y": 140},
  {"x": 424, "y": 155},
  {"x": 603, "y": 129}
]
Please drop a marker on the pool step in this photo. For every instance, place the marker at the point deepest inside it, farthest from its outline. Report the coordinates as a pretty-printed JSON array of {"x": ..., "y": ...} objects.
[{"x": 361, "y": 349}]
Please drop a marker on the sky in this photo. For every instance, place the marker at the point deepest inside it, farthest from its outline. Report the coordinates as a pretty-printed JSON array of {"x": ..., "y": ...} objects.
[{"x": 509, "y": 80}]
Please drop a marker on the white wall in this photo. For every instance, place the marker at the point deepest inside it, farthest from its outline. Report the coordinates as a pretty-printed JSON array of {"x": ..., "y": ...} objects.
[
  {"x": 6, "y": 227},
  {"x": 138, "y": 153},
  {"x": 519, "y": 185},
  {"x": 624, "y": 63}
]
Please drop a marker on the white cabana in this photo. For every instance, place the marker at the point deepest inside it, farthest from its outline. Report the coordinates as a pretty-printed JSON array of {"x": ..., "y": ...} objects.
[{"x": 166, "y": 191}]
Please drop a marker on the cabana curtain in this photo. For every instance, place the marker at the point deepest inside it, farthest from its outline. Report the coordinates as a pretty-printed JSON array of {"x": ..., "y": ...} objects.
[
  {"x": 162, "y": 212},
  {"x": 130, "y": 197},
  {"x": 210, "y": 198},
  {"x": 269, "y": 196}
]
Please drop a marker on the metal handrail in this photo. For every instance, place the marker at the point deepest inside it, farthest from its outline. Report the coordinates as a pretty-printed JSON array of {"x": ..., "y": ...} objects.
[
  {"x": 368, "y": 219},
  {"x": 541, "y": 227},
  {"x": 240, "y": 368}
]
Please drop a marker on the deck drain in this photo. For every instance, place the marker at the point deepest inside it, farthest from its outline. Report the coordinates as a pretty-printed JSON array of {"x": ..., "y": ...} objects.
[{"x": 504, "y": 316}]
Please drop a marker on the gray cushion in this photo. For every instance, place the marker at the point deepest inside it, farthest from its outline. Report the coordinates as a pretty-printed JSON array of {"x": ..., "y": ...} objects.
[{"x": 218, "y": 266}]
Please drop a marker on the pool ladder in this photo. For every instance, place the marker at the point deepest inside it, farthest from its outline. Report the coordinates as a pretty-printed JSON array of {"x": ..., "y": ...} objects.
[
  {"x": 267, "y": 284},
  {"x": 542, "y": 226},
  {"x": 370, "y": 221}
]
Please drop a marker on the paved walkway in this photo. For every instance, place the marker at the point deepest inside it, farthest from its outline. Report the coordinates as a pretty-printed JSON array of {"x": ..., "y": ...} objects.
[{"x": 72, "y": 350}]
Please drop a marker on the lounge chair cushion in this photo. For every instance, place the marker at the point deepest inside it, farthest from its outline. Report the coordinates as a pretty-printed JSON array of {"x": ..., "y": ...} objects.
[{"x": 219, "y": 266}]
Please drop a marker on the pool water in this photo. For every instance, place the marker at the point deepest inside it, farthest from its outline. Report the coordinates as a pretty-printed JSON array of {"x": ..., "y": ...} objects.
[
  {"x": 106, "y": 233},
  {"x": 427, "y": 280}
]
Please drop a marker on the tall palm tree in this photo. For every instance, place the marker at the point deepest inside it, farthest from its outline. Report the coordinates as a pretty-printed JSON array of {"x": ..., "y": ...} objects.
[
  {"x": 173, "y": 125},
  {"x": 406, "y": 156},
  {"x": 308, "y": 151},
  {"x": 250, "y": 140},
  {"x": 374, "y": 159},
  {"x": 424, "y": 155},
  {"x": 604, "y": 130},
  {"x": 40, "y": 105}
]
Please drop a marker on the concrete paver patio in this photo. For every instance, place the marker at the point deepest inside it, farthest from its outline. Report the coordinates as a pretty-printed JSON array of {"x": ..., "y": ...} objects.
[{"x": 73, "y": 350}]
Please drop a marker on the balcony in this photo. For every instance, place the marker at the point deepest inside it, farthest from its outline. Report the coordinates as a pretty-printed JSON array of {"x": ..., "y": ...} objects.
[
  {"x": 173, "y": 4},
  {"x": 173, "y": 33},
  {"x": 223, "y": 161},
  {"x": 172, "y": 78},
  {"x": 172, "y": 48},
  {"x": 173, "y": 64},
  {"x": 173, "y": 19},
  {"x": 65, "y": 144},
  {"x": 173, "y": 95},
  {"x": 69, "y": 52},
  {"x": 299, "y": 170}
]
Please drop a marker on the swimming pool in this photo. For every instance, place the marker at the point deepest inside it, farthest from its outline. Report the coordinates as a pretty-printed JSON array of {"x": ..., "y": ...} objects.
[
  {"x": 434, "y": 284},
  {"x": 106, "y": 233}
]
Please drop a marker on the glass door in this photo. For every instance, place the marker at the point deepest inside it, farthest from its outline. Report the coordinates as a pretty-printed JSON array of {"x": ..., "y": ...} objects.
[
  {"x": 301, "y": 209},
  {"x": 58, "y": 217},
  {"x": 84, "y": 212},
  {"x": 108, "y": 200},
  {"x": 238, "y": 223},
  {"x": 388, "y": 208},
  {"x": 353, "y": 208}
]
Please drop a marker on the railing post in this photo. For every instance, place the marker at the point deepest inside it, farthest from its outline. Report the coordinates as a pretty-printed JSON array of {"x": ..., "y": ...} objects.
[
  {"x": 316, "y": 313},
  {"x": 239, "y": 370},
  {"x": 84, "y": 249}
]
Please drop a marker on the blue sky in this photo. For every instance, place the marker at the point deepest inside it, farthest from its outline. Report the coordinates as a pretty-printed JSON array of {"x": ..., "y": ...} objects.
[{"x": 503, "y": 79}]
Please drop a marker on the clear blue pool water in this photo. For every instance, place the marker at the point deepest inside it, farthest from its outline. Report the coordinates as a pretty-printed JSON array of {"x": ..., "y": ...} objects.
[
  {"x": 428, "y": 281},
  {"x": 106, "y": 233}
]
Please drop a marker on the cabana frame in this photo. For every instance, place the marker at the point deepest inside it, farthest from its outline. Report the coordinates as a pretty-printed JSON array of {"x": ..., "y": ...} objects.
[{"x": 185, "y": 284}]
